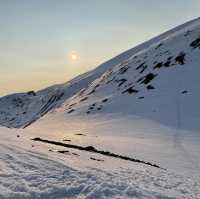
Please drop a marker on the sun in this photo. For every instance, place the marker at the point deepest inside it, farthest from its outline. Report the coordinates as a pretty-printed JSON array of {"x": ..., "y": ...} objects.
[{"x": 74, "y": 57}]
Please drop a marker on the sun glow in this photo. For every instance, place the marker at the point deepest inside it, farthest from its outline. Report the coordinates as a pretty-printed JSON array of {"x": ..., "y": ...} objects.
[{"x": 74, "y": 56}]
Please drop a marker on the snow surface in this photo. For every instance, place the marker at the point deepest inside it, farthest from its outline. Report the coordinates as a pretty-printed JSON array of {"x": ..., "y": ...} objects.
[
  {"x": 142, "y": 104},
  {"x": 175, "y": 150},
  {"x": 160, "y": 125},
  {"x": 26, "y": 173}
]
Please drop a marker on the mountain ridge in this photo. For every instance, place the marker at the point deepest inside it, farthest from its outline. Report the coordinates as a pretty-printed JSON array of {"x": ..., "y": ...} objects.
[{"x": 22, "y": 109}]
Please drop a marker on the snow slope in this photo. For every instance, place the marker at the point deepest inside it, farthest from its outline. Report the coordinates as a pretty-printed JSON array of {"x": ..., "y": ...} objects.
[
  {"x": 20, "y": 110},
  {"x": 160, "y": 83},
  {"x": 146, "y": 106},
  {"x": 26, "y": 173}
]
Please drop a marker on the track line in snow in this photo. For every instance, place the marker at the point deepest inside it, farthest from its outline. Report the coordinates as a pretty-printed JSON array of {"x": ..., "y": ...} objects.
[{"x": 94, "y": 150}]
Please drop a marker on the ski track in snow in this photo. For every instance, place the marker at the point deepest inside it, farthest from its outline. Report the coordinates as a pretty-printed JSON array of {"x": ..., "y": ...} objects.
[{"x": 24, "y": 174}]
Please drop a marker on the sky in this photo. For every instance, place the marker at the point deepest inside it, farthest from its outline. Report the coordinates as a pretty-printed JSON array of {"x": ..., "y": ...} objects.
[{"x": 46, "y": 42}]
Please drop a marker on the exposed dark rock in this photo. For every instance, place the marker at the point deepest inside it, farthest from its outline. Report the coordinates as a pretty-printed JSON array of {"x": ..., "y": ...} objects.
[
  {"x": 123, "y": 70},
  {"x": 180, "y": 59},
  {"x": 99, "y": 108},
  {"x": 90, "y": 148},
  {"x": 72, "y": 104},
  {"x": 141, "y": 97},
  {"x": 122, "y": 81},
  {"x": 140, "y": 79},
  {"x": 83, "y": 99},
  {"x": 64, "y": 151},
  {"x": 158, "y": 65},
  {"x": 167, "y": 63},
  {"x": 98, "y": 160},
  {"x": 140, "y": 66},
  {"x": 169, "y": 58},
  {"x": 31, "y": 93},
  {"x": 143, "y": 69},
  {"x": 72, "y": 110},
  {"x": 184, "y": 92},
  {"x": 150, "y": 87},
  {"x": 130, "y": 90},
  {"x": 148, "y": 78},
  {"x": 104, "y": 100},
  {"x": 76, "y": 154},
  {"x": 91, "y": 92},
  {"x": 81, "y": 134},
  {"x": 60, "y": 96},
  {"x": 66, "y": 140},
  {"x": 158, "y": 46},
  {"x": 196, "y": 43}
]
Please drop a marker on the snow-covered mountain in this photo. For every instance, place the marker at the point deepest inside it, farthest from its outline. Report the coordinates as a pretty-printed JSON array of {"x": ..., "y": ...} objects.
[
  {"x": 160, "y": 83},
  {"x": 141, "y": 106},
  {"x": 154, "y": 80},
  {"x": 140, "y": 103}
]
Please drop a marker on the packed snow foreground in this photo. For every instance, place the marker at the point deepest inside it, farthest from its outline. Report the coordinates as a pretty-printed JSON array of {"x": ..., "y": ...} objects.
[
  {"x": 43, "y": 173},
  {"x": 128, "y": 129}
]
